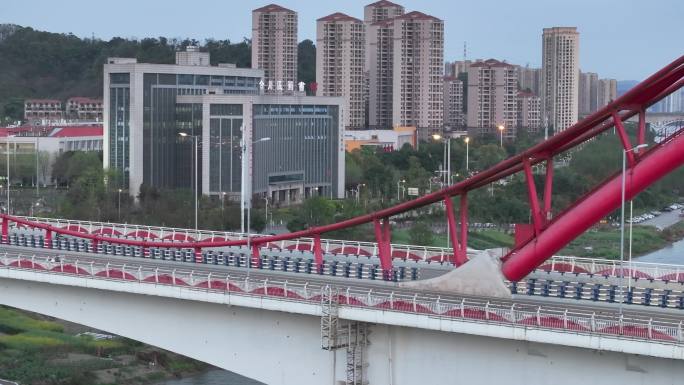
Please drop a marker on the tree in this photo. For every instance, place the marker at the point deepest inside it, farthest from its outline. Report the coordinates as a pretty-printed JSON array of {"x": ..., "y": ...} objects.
[
  {"x": 306, "y": 61},
  {"x": 421, "y": 234},
  {"x": 487, "y": 155}
]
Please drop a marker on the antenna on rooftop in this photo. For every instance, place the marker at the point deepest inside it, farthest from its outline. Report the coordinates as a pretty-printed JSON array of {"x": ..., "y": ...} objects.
[{"x": 465, "y": 51}]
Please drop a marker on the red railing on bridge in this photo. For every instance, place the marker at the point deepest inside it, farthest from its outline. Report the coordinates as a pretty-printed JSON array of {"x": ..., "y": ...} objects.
[{"x": 547, "y": 236}]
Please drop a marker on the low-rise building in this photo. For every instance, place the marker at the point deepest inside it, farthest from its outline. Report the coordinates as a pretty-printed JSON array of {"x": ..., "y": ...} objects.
[
  {"x": 82, "y": 108},
  {"x": 48, "y": 142},
  {"x": 388, "y": 140},
  {"x": 43, "y": 110}
]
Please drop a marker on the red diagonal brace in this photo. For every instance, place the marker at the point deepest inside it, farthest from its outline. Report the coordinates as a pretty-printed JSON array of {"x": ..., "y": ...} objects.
[
  {"x": 5, "y": 229},
  {"x": 623, "y": 138},
  {"x": 532, "y": 194},
  {"x": 382, "y": 233},
  {"x": 48, "y": 239},
  {"x": 451, "y": 222},
  {"x": 318, "y": 253},
  {"x": 255, "y": 259},
  {"x": 463, "y": 257}
]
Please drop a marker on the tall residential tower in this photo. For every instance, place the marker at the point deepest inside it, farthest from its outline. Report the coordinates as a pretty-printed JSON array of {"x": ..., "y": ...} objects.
[
  {"x": 560, "y": 76},
  {"x": 274, "y": 43},
  {"x": 340, "y": 43},
  {"x": 406, "y": 62}
]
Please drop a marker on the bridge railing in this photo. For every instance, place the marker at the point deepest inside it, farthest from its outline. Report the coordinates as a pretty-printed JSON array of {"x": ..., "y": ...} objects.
[
  {"x": 563, "y": 264},
  {"x": 329, "y": 246},
  {"x": 445, "y": 307},
  {"x": 614, "y": 268}
]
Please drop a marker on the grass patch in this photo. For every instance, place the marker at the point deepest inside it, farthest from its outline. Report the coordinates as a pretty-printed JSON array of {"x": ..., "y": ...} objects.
[
  {"x": 604, "y": 242},
  {"x": 485, "y": 239},
  {"x": 13, "y": 321}
]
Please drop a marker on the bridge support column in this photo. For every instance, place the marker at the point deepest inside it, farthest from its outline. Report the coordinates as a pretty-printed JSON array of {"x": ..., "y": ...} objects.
[
  {"x": 624, "y": 138},
  {"x": 198, "y": 255},
  {"x": 382, "y": 236},
  {"x": 48, "y": 239},
  {"x": 457, "y": 257},
  {"x": 464, "y": 226},
  {"x": 255, "y": 259},
  {"x": 318, "y": 253},
  {"x": 5, "y": 229},
  {"x": 532, "y": 195}
]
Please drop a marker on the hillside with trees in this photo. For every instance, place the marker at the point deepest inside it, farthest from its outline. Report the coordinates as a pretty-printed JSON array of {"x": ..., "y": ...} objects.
[{"x": 37, "y": 64}]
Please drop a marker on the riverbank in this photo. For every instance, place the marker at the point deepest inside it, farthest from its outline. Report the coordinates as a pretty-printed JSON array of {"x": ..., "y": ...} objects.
[{"x": 36, "y": 350}]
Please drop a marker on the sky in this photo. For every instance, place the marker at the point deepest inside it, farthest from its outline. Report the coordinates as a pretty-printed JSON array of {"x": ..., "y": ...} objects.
[{"x": 622, "y": 39}]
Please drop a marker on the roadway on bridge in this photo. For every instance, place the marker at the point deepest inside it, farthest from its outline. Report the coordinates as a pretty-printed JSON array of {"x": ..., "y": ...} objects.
[{"x": 521, "y": 302}]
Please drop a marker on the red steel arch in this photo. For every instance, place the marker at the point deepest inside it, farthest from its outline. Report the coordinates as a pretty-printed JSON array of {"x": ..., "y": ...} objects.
[{"x": 548, "y": 235}]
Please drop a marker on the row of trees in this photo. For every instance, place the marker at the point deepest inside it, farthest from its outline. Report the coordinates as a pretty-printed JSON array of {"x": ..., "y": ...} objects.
[
  {"x": 91, "y": 194},
  {"x": 37, "y": 64}
]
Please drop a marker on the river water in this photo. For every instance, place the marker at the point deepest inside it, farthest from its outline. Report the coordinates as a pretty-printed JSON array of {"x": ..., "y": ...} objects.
[
  {"x": 213, "y": 377},
  {"x": 671, "y": 254}
]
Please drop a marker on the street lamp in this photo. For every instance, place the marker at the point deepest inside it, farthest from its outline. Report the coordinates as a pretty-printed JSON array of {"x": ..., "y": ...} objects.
[
  {"x": 399, "y": 182},
  {"x": 358, "y": 191},
  {"x": 467, "y": 141},
  {"x": 119, "y": 207},
  {"x": 246, "y": 190},
  {"x": 622, "y": 225},
  {"x": 447, "y": 157},
  {"x": 194, "y": 171},
  {"x": 246, "y": 183},
  {"x": 8, "y": 172},
  {"x": 501, "y": 130},
  {"x": 266, "y": 202}
]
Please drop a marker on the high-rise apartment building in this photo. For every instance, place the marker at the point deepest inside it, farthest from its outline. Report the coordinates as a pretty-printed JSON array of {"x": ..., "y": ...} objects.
[
  {"x": 492, "y": 97},
  {"x": 274, "y": 44},
  {"x": 381, "y": 10},
  {"x": 461, "y": 66},
  {"x": 529, "y": 111},
  {"x": 373, "y": 13},
  {"x": 453, "y": 102},
  {"x": 405, "y": 70},
  {"x": 607, "y": 92},
  {"x": 587, "y": 93},
  {"x": 529, "y": 79},
  {"x": 340, "y": 47},
  {"x": 560, "y": 76}
]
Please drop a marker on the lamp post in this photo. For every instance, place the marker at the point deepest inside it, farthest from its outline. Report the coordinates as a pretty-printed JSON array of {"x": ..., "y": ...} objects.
[
  {"x": 246, "y": 185},
  {"x": 119, "y": 206},
  {"x": 246, "y": 191},
  {"x": 194, "y": 171},
  {"x": 37, "y": 174},
  {"x": 447, "y": 158},
  {"x": 501, "y": 131},
  {"x": 266, "y": 203},
  {"x": 8, "y": 172},
  {"x": 467, "y": 141},
  {"x": 622, "y": 225},
  {"x": 399, "y": 182},
  {"x": 358, "y": 192}
]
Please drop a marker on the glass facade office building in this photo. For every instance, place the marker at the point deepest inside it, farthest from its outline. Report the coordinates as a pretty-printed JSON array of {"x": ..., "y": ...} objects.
[
  {"x": 143, "y": 119},
  {"x": 150, "y": 105}
]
